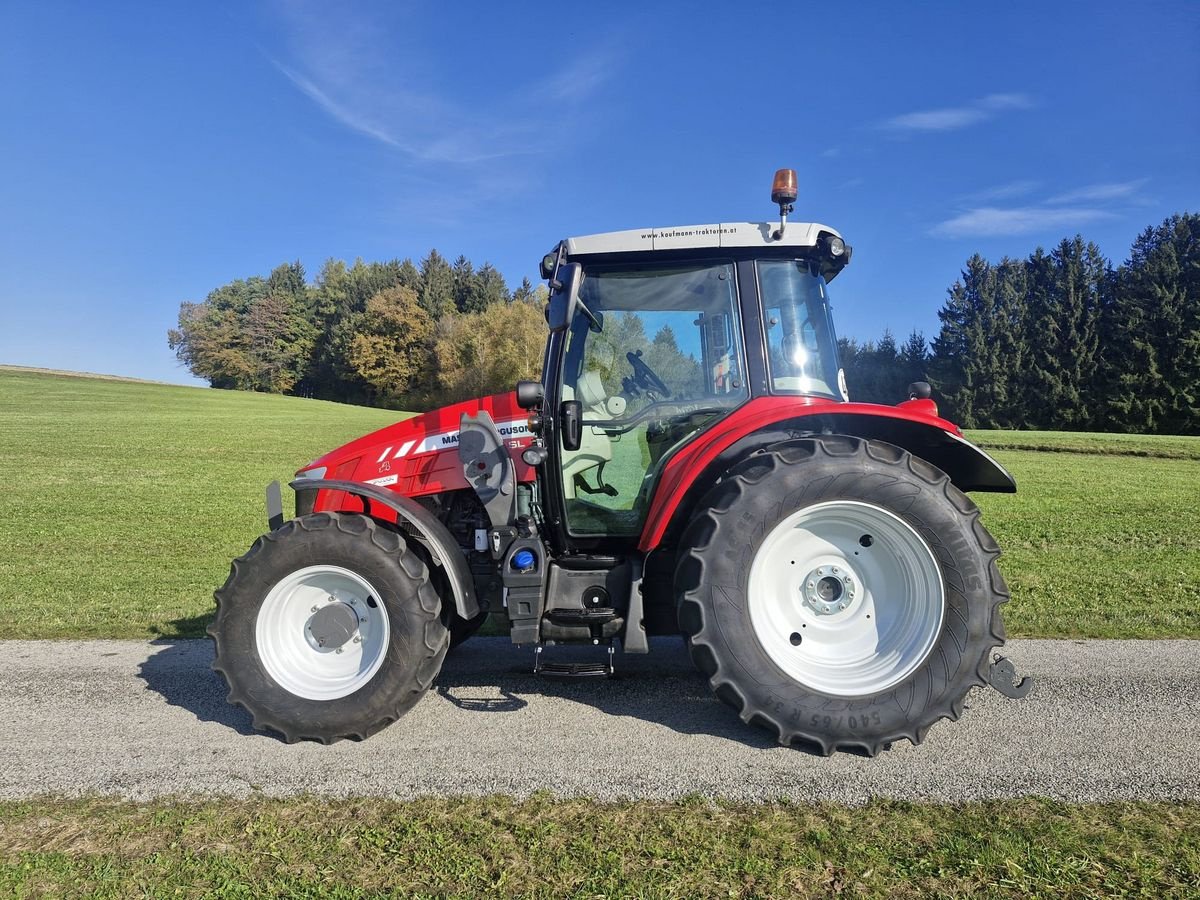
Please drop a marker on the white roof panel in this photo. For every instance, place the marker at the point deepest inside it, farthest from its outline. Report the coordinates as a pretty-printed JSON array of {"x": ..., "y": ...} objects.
[{"x": 686, "y": 237}]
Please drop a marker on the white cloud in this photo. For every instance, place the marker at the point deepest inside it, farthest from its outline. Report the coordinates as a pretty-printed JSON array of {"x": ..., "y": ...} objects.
[
  {"x": 1003, "y": 191},
  {"x": 955, "y": 118},
  {"x": 343, "y": 114},
  {"x": 1068, "y": 209},
  {"x": 1098, "y": 193},
  {"x": 936, "y": 120},
  {"x": 377, "y": 79},
  {"x": 1006, "y": 101},
  {"x": 993, "y": 222}
]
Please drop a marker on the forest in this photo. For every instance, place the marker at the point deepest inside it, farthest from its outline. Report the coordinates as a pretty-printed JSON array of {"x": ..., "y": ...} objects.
[{"x": 1063, "y": 339}]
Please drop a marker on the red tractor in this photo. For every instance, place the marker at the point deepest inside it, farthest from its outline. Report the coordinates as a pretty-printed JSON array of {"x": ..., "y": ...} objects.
[{"x": 690, "y": 462}]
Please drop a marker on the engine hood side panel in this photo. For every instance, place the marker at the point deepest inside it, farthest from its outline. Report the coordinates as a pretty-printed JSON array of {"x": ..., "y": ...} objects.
[{"x": 419, "y": 456}]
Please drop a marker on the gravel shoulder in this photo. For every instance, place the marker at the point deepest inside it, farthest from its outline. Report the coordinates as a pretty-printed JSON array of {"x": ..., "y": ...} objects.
[{"x": 1107, "y": 720}]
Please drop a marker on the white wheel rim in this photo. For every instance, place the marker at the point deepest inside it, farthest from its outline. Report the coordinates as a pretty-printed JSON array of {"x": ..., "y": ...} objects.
[
  {"x": 846, "y": 598},
  {"x": 288, "y": 647}
]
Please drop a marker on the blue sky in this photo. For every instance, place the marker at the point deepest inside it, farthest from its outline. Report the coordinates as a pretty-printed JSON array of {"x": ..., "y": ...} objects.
[{"x": 151, "y": 152}]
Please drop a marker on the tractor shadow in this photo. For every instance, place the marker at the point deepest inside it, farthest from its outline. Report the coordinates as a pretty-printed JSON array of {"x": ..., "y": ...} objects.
[
  {"x": 178, "y": 670},
  {"x": 489, "y": 675}
]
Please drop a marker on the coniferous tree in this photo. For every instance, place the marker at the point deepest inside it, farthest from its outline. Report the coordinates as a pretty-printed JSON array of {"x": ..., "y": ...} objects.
[
  {"x": 960, "y": 354},
  {"x": 1159, "y": 291},
  {"x": 464, "y": 284},
  {"x": 409, "y": 276},
  {"x": 437, "y": 285},
  {"x": 490, "y": 288},
  {"x": 1041, "y": 380},
  {"x": 914, "y": 359},
  {"x": 1081, "y": 283},
  {"x": 524, "y": 292}
]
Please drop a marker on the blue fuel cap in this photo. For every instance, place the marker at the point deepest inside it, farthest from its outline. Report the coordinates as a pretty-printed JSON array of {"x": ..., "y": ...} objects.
[{"x": 523, "y": 559}]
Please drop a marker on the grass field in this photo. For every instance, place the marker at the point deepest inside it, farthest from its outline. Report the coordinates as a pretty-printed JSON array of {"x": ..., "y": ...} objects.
[
  {"x": 126, "y": 501},
  {"x": 1157, "y": 446},
  {"x": 544, "y": 848}
]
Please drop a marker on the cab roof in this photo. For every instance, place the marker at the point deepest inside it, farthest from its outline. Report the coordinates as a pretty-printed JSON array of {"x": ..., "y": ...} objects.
[{"x": 740, "y": 235}]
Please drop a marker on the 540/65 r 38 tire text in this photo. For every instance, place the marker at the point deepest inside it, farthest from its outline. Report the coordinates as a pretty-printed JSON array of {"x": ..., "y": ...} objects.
[
  {"x": 328, "y": 628},
  {"x": 840, "y": 593}
]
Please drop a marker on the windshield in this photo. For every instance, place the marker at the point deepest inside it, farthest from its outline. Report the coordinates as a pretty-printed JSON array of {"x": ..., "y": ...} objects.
[
  {"x": 665, "y": 361},
  {"x": 801, "y": 345}
]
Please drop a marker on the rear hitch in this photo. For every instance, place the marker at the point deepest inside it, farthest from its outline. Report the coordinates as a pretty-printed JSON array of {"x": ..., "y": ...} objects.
[{"x": 1002, "y": 675}]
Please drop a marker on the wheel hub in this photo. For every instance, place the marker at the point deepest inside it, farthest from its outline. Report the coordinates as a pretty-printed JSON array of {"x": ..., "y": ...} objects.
[
  {"x": 332, "y": 625},
  {"x": 845, "y": 598},
  {"x": 827, "y": 590},
  {"x": 322, "y": 633}
]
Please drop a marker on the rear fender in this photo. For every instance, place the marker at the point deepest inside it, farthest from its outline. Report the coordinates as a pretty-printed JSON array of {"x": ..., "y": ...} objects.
[
  {"x": 969, "y": 467},
  {"x": 432, "y": 533}
]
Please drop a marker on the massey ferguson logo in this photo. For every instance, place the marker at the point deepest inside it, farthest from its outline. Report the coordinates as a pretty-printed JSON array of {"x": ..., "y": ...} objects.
[{"x": 513, "y": 428}]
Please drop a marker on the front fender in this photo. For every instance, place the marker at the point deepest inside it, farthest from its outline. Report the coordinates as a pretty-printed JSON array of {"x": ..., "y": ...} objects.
[{"x": 437, "y": 540}]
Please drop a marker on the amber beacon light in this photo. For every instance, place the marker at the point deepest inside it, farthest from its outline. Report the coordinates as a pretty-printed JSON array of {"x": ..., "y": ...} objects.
[{"x": 783, "y": 192}]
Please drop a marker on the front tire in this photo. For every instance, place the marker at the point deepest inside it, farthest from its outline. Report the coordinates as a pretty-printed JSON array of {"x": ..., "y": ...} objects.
[
  {"x": 840, "y": 593},
  {"x": 328, "y": 628}
]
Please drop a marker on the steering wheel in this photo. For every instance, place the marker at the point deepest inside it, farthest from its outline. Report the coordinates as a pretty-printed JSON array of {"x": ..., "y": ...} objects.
[{"x": 643, "y": 375}]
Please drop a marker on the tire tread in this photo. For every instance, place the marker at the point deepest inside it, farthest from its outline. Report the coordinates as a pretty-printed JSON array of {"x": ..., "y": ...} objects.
[{"x": 705, "y": 530}]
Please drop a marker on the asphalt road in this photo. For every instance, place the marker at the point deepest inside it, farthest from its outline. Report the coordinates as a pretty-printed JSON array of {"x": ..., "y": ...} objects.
[{"x": 1107, "y": 720}]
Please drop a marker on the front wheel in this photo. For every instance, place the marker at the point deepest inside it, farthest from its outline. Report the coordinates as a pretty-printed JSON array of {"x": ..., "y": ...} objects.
[
  {"x": 328, "y": 628},
  {"x": 841, "y": 593}
]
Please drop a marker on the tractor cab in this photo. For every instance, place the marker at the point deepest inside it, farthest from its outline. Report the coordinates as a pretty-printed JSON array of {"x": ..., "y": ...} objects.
[{"x": 659, "y": 335}]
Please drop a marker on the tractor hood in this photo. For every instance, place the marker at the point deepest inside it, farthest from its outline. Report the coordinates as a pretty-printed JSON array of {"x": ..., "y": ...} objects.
[{"x": 420, "y": 455}]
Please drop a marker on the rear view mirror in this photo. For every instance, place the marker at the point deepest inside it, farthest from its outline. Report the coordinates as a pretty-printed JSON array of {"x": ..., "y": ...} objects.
[{"x": 564, "y": 297}]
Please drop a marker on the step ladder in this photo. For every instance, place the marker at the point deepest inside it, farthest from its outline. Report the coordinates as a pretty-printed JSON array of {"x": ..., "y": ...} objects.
[{"x": 573, "y": 669}]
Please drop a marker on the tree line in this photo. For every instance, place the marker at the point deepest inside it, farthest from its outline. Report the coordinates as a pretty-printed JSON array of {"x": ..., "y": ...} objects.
[
  {"x": 392, "y": 334},
  {"x": 1060, "y": 340}
]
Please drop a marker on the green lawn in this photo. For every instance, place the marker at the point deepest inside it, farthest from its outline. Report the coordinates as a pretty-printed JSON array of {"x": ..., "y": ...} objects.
[
  {"x": 128, "y": 499},
  {"x": 1166, "y": 446},
  {"x": 495, "y": 846}
]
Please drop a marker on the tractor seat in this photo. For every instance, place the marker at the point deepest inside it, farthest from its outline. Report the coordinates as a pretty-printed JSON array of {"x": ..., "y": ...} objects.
[{"x": 590, "y": 392}]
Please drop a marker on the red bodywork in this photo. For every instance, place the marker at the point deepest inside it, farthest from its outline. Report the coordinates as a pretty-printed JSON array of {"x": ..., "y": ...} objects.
[
  {"x": 761, "y": 412},
  {"x": 419, "y": 456}
]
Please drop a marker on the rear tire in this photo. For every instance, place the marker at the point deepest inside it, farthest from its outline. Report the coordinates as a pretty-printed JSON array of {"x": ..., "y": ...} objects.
[
  {"x": 328, "y": 628},
  {"x": 840, "y": 593}
]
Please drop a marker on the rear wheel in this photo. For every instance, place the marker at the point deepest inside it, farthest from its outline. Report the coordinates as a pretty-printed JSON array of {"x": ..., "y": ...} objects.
[
  {"x": 328, "y": 628},
  {"x": 840, "y": 593}
]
